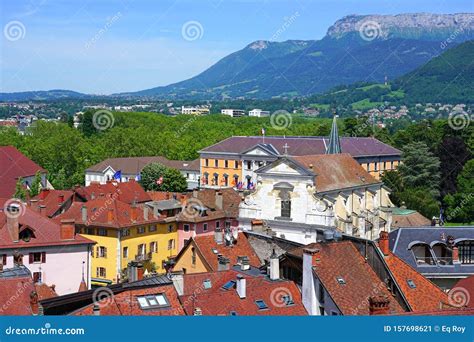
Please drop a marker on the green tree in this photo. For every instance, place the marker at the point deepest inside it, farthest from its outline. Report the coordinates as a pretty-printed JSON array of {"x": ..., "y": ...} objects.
[
  {"x": 170, "y": 179},
  {"x": 20, "y": 191},
  {"x": 419, "y": 199},
  {"x": 420, "y": 168},
  {"x": 460, "y": 205},
  {"x": 35, "y": 186}
]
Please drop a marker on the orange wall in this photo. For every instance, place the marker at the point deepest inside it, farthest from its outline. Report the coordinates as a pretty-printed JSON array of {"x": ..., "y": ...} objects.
[
  {"x": 221, "y": 170},
  {"x": 185, "y": 262}
]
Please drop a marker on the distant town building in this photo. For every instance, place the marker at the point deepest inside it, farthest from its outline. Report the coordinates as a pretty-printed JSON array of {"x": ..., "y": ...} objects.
[
  {"x": 131, "y": 167},
  {"x": 259, "y": 113},
  {"x": 235, "y": 113},
  {"x": 199, "y": 110}
]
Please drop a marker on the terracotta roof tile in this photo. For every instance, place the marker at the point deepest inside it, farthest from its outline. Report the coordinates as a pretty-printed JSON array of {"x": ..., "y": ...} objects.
[
  {"x": 51, "y": 200},
  {"x": 46, "y": 231},
  {"x": 127, "y": 192},
  {"x": 218, "y": 301},
  {"x": 336, "y": 171},
  {"x": 13, "y": 165},
  {"x": 242, "y": 247},
  {"x": 426, "y": 296}
]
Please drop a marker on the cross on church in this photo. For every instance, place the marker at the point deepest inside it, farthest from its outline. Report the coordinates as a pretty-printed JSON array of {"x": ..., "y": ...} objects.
[{"x": 286, "y": 148}]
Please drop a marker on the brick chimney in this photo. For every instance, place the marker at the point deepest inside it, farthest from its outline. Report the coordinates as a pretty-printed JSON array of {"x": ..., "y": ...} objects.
[
  {"x": 379, "y": 305},
  {"x": 13, "y": 226},
  {"x": 110, "y": 215},
  {"x": 456, "y": 255},
  {"x": 67, "y": 229},
  {"x": 60, "y": 199},
  {"x": 133, "y": 212},
  {"x": 34, "y": 302},
  {"x": 383, "y": 243}
]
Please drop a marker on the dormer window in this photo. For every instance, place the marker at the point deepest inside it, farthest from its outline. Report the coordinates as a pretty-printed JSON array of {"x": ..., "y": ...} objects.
[{"x": 27, "y": 234}]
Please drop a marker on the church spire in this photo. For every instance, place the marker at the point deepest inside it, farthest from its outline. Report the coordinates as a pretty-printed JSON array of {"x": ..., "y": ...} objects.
[{"x": 334, "y": 146}]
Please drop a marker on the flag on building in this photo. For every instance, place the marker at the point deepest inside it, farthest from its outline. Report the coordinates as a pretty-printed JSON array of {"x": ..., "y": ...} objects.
[
  {"x": 118, "y": 175},
  {"x": 138, "y": 177}
]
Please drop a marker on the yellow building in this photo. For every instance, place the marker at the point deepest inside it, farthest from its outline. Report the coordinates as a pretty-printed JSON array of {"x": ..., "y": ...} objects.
[{"x": 125, "y": 233}]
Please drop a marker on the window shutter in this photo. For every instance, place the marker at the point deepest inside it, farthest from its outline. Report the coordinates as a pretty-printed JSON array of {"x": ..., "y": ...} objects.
[
  {"x": 97, "y": 252},
  {"x": 92, "y": 251},
  {"x": 4, "y": 259},
  {"x": 43, "y": 257},
  {"x": 31, "y": 258},
  {"x": 105, "y": 252}
]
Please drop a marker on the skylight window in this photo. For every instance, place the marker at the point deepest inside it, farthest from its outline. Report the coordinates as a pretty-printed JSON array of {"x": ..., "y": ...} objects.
[
  {"x": 411, "y": 283},
  {"x": 153, "y": 301},
  {"x": 230, "y": 284},
  {"x": 207, "y": 284},
  {"x": 261, "y": 304},
  {"x": 287, "y": 300},
  {"x": 341, "y": 281}
]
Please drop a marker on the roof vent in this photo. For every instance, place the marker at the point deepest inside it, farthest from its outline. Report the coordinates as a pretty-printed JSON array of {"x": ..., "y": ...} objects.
[{"x": 341, "y": 281}]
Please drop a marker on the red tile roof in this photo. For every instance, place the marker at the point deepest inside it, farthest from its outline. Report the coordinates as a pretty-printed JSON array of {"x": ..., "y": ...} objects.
[
  {"x": 47, "y": 232},
  {"x": 44, "y": 291},
  {"x": 336, "y": 171},
  {"x": 426, "y": 296},
  {"x": 13, "y": 165},
  {"x": 465, "y": 288},
  {"x": 98, "y": 213},
  {"x": 218, "y": 301},
  {"x": 127, "y": 192},
  {"x": 50, "y": 200},
  {"x": 15, "y": 296},
  {"x": 126, "y": 304},
  {"x": 343, "y": 260},
  {"x": 206, "y": 244}
]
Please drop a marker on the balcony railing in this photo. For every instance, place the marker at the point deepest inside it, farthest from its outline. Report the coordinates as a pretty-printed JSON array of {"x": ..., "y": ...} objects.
[
  {"x": 143, "y": 257},
  {"x": 425, "y": 260}
]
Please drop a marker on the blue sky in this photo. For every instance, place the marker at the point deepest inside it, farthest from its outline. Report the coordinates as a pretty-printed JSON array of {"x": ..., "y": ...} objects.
[{"x": 108, "y": 46}]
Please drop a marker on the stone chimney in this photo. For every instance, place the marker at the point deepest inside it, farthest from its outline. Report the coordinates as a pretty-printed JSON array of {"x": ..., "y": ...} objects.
[
  {"x": 110, "y": 215},
  {"x": 67, "y": 229},
  {"x": 223, "y": 263},
  {"x": 379, "y": 305},
  {"x": 274, "y": 266},
  {"x": 13, "y": 226},
  {"x": 308, "y": 290},
  {"x": 96, "y": 310},
  {"x": 384, "y": 243},
  {"x": 219, "y": 236},
  {"x": 145, "y": 213},
  {"x": 241, "y": 286},
  {"x": 84, "y": 213},
  {"x": 219, "y": 200},
  {"x": 178, "y": 282}
]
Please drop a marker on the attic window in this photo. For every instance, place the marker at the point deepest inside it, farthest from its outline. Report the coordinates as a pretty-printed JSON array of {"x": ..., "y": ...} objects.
[
  {"x": 341, "y": 281},
  {"x": 153, "y": 301},
  {"x": 261, "y": 304},
  {"x": 207, "y": 284},
  {"x": 230, "y": 284},
  {"x": 411, "y": 283}
]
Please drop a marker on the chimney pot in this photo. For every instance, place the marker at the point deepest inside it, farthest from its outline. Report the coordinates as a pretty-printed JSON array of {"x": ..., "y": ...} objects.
[
  {"x": 384, "y": 243},
  {"x": 379, "y": 305}
]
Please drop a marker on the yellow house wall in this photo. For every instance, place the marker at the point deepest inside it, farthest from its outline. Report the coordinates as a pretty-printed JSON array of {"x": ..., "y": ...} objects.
[
  {"x": 110, "y": 262},
  {"x": 221, "y": 169},
  {"x": 185, "y": 262},
  {"x": 161, "y": 236}
]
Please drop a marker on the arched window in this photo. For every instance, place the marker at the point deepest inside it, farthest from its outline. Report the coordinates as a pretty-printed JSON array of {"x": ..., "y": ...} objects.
[
  {"x": 443, "y": 254},
  {"x": 466, "y": 251},
  {"x": 422, "y": 253}
]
